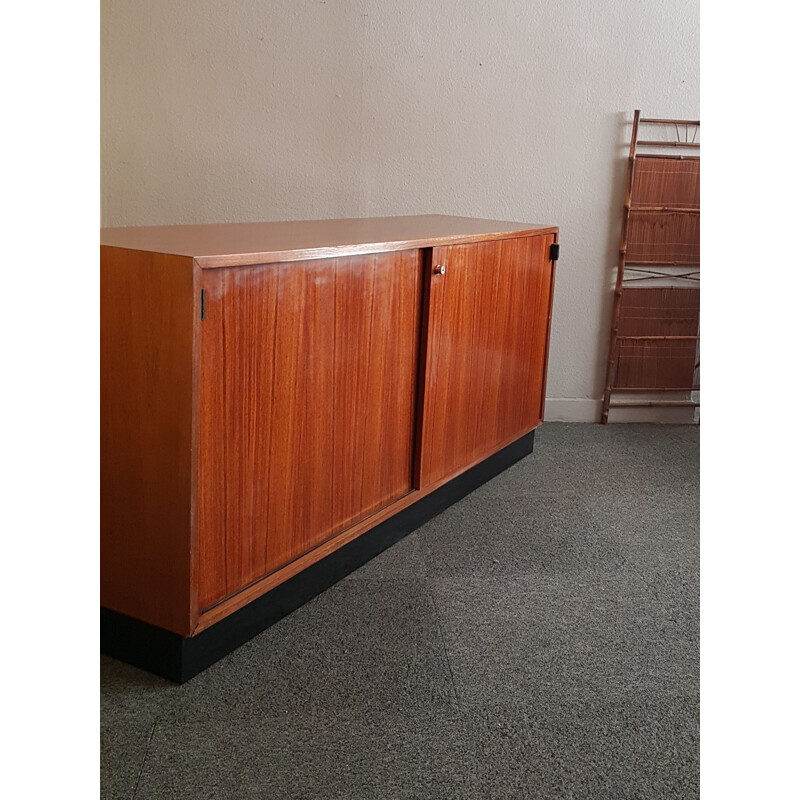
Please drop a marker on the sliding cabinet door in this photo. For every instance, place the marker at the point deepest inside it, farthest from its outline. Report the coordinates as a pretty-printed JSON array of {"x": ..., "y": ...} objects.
[
  {"x": 306, "y": 407},
  {"x": 486, "y": 345}
]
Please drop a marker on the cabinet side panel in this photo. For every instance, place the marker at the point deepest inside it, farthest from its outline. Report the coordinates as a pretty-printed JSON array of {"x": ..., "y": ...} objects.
[
  {"x": 146, "y": 319},
  {"x": 486, "y": 350}
]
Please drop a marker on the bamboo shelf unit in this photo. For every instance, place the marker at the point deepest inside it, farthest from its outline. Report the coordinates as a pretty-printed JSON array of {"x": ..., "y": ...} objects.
[{"x": 655, "y": 320}]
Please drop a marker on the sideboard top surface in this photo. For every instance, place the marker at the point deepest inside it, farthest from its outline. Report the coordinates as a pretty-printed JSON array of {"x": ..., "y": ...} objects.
[{"x": 233, "y": 244}]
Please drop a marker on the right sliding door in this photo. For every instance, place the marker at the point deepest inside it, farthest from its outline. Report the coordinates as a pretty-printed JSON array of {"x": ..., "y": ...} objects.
[{"x": 486, "y": 342}]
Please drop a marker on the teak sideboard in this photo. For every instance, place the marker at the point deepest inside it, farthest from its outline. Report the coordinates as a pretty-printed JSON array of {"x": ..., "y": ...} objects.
[{"x": 282, "y": 401}]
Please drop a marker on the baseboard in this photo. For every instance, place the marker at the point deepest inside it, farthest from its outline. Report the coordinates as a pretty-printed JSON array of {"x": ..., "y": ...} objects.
[
  {"x": 662, "y": 415},
  {"x": 179, "y": 659},
  {"x": 568, "y": 409},
  {"x": 572, "y": 409}
]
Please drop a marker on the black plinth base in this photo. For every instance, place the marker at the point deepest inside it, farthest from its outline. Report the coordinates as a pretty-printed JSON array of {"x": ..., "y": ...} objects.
[{"x": 178, "y": 659}]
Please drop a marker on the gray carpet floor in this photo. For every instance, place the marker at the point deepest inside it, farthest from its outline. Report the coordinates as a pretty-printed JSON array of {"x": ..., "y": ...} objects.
[{"x": 539, "y": 639}]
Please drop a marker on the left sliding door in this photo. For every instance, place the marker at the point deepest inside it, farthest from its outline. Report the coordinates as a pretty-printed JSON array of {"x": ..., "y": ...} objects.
[{"x": 306, "y": 407}]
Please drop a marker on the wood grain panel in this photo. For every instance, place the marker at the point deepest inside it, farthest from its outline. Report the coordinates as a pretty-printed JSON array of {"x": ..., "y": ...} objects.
[
  {"x": 147, "y": 306},
  {"x": 307, "y": 392},
  {"x": 486, "y": 345}
]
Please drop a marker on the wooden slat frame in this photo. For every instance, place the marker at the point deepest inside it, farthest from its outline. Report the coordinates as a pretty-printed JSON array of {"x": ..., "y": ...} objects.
[{"x": 660, "y": 227}]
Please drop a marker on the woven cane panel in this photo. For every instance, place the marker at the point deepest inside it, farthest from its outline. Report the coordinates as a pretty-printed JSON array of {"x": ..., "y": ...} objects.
[
  {"x": 663, "y": 311},
  {"x": 659, "y": 237},
  {"x": 668, "y": 182},
  {"x": 655, "y": 364}
]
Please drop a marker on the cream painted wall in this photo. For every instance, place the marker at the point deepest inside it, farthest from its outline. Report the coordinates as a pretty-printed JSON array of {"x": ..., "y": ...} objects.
[{"x": 304, "y": 109}]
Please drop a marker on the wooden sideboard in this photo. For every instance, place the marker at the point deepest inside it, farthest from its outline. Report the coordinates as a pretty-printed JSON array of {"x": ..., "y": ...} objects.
[{"x": 281, "y": 401}]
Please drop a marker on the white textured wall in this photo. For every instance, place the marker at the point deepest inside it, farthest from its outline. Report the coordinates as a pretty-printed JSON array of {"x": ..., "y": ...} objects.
[{"x": 303, "y": 109}]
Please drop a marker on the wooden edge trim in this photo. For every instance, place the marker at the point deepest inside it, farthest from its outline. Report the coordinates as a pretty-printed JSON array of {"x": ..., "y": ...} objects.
[
  {"x": 646, "y": 143},
  {"x": 665, "y": 156},
  {"x": 422, "y": 363},
  {"x": 652, "y": 121},
  {"x": 549, "y": 328},
  {"x": 194, "y": 534},
  {"x": 336, "y": 251}
]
